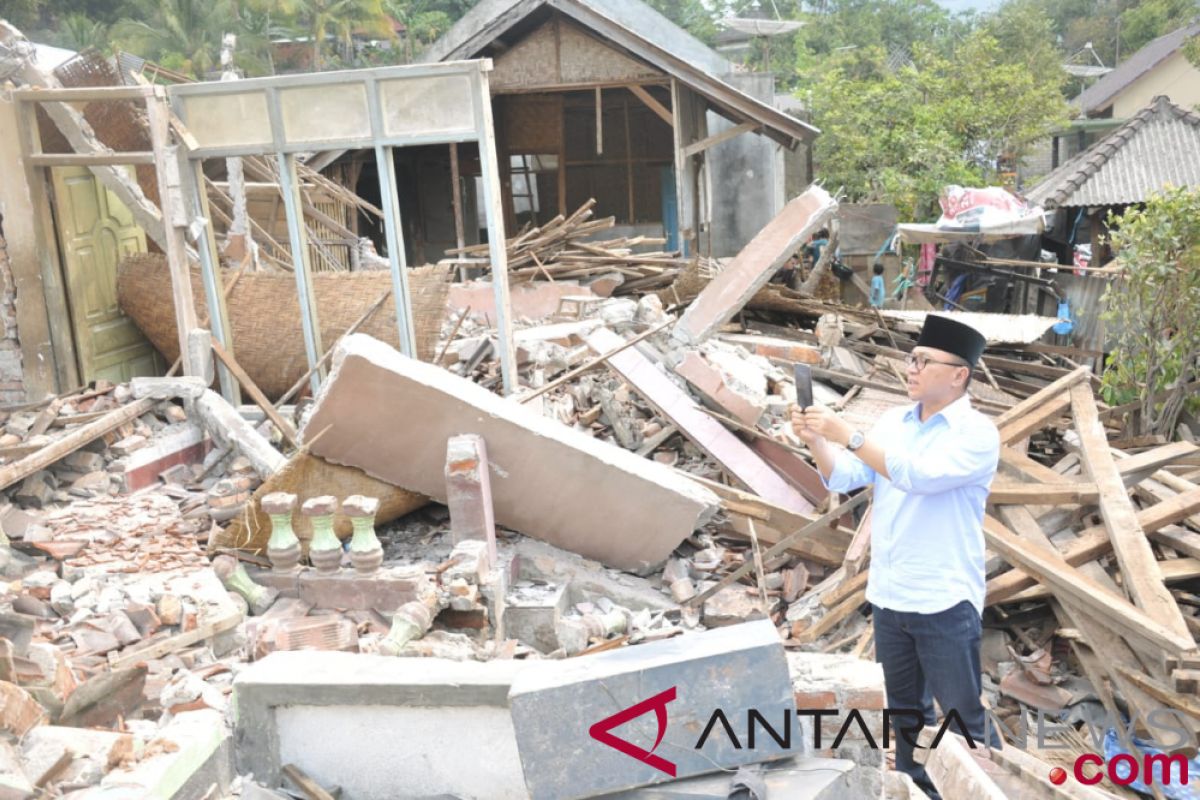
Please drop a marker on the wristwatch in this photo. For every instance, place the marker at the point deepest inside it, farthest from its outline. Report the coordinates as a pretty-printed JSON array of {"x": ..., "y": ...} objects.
[{"x": 857, "y": 440}]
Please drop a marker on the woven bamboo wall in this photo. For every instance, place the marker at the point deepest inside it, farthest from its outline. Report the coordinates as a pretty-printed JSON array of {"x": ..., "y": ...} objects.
[{"x": 265, "y": 315}]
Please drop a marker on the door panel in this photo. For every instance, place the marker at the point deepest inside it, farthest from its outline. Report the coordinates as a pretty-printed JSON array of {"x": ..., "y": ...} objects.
[{"x": 95, "y": 232}]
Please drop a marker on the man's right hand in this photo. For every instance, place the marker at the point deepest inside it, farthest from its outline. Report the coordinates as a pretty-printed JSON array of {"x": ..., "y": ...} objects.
[{"x": 806, "y": 434}]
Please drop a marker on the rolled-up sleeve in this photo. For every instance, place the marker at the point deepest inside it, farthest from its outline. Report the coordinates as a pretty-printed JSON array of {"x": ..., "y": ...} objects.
[
  {"x": 963, "y": 461},
  {"x": 849, "y": 473}
]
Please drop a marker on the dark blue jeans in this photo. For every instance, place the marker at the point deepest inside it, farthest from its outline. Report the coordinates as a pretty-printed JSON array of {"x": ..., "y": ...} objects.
[{"x": 926, "y": 656}]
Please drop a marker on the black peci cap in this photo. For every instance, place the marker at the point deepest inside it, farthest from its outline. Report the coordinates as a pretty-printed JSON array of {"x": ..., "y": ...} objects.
[{"x": 953, "y": 337}]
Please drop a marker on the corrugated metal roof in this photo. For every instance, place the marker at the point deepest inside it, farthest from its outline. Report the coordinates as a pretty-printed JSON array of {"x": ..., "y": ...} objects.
[
  {"x": 1100, "y": 94},
  {"x": 996, "y": 328},
  {"x": 642, "y": 31},
  {"x": 1158, "y": 147}
]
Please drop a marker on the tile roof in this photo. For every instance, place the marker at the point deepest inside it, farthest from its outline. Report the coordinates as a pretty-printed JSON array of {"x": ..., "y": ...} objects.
[{"x": 1157, "y": 147}]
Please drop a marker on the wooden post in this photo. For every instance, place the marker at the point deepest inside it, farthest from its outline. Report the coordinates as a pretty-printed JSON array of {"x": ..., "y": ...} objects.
[
  {"x": 456, "y": 197},
  {"x": 174, "y": 220},
  {"x": 497, "y": 250},
  {"x": 289, "y": 187}
]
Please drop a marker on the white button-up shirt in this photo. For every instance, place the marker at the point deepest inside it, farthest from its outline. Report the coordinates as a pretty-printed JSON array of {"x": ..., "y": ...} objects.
[{"x": 927, "y": 551}]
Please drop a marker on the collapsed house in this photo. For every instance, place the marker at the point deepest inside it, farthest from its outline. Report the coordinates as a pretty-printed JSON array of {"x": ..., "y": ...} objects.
[{"x": 570, "y": 485}]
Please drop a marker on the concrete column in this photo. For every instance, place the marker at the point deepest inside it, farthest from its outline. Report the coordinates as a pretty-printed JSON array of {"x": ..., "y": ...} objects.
[{"x": 469, "y": 492}]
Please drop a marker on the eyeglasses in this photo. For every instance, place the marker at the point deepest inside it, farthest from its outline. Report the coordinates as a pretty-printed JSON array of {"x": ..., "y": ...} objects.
[{"x": 919, "y": 362}]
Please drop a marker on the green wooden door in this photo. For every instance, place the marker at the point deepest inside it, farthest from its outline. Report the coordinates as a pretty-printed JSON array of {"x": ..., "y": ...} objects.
[{"x": 95, "y": 232}]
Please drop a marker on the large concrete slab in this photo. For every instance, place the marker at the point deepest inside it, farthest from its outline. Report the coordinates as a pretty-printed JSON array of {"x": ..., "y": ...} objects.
[
  {"x": 707, "y": 433},
  {"x": 380, "y": 727},
  {"x": 669, "y": 690},
  {"x": 750, "y": 269},
  {"x": 391, "y": 416}
]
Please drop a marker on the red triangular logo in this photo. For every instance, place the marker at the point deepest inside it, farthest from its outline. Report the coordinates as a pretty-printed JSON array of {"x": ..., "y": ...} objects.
[{"x": 600, "y": 731}]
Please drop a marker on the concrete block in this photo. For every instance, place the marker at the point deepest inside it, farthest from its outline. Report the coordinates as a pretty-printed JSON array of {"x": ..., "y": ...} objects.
[
  {"x": 807, "y": 778},
  {"x": 751, "y": 268},
  {"x": 186, "y": 386},
  {"x": 708, "y": 434},
  {"x": 714, "y": 386},
  {"x": 193, "y": 756},
  {"x": 381, "y": 727},
  {"x": 585, "y": 579},
  {"x": 564, "y": 713},
  {"x": 383, "y": 411},
  {"x": 532, "y": 613},
  {"x": 385, "y": 591}
]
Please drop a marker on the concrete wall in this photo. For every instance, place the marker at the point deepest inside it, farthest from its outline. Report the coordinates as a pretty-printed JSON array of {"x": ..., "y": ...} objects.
[
  {"x": 12, "y": 384},
  {"x": 1175, "y": 77},
  {"x": 746, "y": 176}
]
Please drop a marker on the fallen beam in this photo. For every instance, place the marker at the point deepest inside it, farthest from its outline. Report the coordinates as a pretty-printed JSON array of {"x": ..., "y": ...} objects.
[
  {"x": 391, "y": 416},
  {"x": 751, "y": 268},
  {"x": 61, "y": 448},
  {"x": 1133, "y": 623},
  {"x": 1138, "y": 565},
  {"x": 1093, "y": 542},
  {"x": 709, "y": 435},
  {"x": 230, "y": 429},
  {"x": 1009, "y": 493}
]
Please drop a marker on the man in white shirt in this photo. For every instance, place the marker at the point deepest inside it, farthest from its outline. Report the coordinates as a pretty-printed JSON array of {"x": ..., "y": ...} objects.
[{"x": 931, "y": 465}]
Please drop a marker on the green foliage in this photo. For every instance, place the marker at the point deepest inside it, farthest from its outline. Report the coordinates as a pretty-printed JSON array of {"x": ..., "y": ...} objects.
[
  {"x": 691, "y": 15},
  {"x": 181, "y": 34},
  {"x": 77, "y": 32},
  {"x": 1152, "y": 307},
  {"x": 956, "y": 113}
]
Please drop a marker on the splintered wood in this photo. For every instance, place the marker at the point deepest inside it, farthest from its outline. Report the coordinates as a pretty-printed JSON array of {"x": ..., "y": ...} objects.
[
  {"x": 142, "y": 533},
  {"x": 562, "y": 249}
]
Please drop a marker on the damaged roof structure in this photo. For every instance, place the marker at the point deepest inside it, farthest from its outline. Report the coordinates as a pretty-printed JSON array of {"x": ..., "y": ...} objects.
[{"x": 480, "y": 518}]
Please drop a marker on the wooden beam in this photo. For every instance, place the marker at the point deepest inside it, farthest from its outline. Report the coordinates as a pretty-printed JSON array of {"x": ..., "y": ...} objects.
[
  {"x": 1004, "y": 492},
  {"x": 89, "y": 159},
  {"x": 953, "y": 769},
  {"x": 1186, "y": 704},
  {"x": 724, "y": 136},
  {"x": 256, "y": 394},
  {"x": 858, "y": 552},
  {"x": 1093, "y": 542},
  {"x": 1046, "y": 565},
  {"x": 658, "y": 108},
  {"x": 1016, "y": 429},
  {"x": 1138, "y": 565},
  {"x": 1048, "y": 393},
  {"x": 63, "y": 447}
]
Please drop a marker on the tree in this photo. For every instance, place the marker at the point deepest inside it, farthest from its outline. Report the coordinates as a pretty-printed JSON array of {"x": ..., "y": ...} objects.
[
  {"x": 320, "y": 19},
  {"x": 423, "y": 22},
  {"x": 78, "y": 32},
  {"x": 899, "y": 132},
  {"x": 181, "y": 34},
  {"x": 1152, "y": 306}
]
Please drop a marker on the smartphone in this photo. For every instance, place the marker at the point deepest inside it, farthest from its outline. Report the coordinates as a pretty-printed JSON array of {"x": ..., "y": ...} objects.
[{"x": 804, "y": 392}]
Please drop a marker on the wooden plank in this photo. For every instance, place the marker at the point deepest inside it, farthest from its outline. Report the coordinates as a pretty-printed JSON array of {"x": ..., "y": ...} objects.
[
  {"x": 1138, "y": 565},
  {"x": 1032, "y": 770},
  {"x": 1006, "y": 492},
  {"x": 859, "y": 549},
  {"x": 74, "y": 440},
  {"x": 658, "y": 108},
  {"x": 256, "y": 394},
  {"x": 832, "y": 618},
  {"x": 90, "y": 159},
  {"x": 1187, "y": 704},
  {"x": 175, "y": 643},
  {"x": 306, "y": 784},
  {"x": 1045, "y": 395},
  {"x": 825, "y": 520},
  {"x": 1033, "y": 420},
  {"x": 173, "y": 213},
  {"x": 1133, "y": 623},
  {"x": 724, "y": 136},
  {"x": 954, "y": 771},
  {"x": 1093, "y": 542}
]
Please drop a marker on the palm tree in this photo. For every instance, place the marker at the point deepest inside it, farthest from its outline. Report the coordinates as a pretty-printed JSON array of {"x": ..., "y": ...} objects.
[
  {"x": 423, "y": 22},
  {"x": 80, "y": 33},
  {"x": 342, "y": 18},
  {"x": 190, "y": 30}
]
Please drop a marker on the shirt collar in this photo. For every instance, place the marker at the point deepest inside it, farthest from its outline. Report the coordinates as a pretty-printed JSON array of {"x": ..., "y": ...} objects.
[{"x": 953, "y": 414}]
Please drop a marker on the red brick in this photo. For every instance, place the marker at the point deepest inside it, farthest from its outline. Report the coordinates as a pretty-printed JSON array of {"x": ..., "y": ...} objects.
[
  {"x": 815, "y": 700},
  {"x": 865, "y": 699}
]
